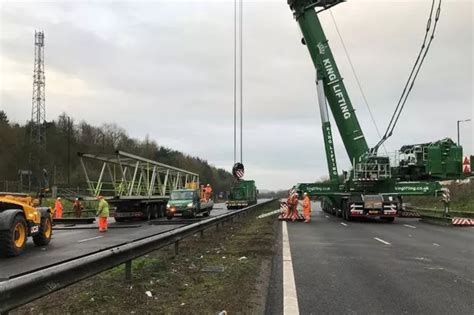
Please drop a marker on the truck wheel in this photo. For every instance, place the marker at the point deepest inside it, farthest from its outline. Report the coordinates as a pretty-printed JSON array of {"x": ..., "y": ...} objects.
[
  {"x": 169, "y": 217},
  {"x": 156, "y": 211},
  {"x": 13, "y": 241},
  {"x": 148, "y": 213},
  {"x": 45, "y": 232},
  {"x": 388, "y": 219},
  {"x": 207, "y": 213}
]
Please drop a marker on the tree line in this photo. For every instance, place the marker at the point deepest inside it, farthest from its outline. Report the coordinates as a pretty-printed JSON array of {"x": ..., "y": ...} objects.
[{"x": 58, "y": 161}]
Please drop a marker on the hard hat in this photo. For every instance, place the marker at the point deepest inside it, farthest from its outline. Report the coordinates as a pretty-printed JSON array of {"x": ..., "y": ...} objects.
[
  {"x": 305, "y": 193},
  {"x": 59, "y": 198},
  {"x": 208, "y": 185}
]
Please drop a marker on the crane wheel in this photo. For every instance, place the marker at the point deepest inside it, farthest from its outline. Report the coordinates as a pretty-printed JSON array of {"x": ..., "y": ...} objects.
[
  {"x": 45, "y": 232},
  {"x": 13, "y": 241}
]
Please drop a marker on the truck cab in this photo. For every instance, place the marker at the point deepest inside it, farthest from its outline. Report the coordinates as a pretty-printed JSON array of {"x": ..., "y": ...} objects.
[{"x": 188, "y": 203}]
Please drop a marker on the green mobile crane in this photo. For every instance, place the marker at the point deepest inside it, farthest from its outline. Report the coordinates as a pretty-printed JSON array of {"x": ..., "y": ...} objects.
[{"x": 373, "y": 188}]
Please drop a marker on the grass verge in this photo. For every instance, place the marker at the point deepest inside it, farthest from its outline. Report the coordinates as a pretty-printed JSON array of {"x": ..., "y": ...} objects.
[{"x": 226, "y": 269}]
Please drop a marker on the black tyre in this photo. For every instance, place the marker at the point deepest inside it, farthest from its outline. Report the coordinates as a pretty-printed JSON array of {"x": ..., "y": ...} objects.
[
  {"x": 148, "y": 213},
  {"x": 45, "y": 232},
  {"x": 207, "y": 213},
  {"x": 119, "y": 219},
  {"x": 169, "y": 217},
  {"x": 13, "y": 241},
  {"x": 388, "y": 219},
  {"x": 156, "y": 211},
  {"x": 161, "y": 211}
]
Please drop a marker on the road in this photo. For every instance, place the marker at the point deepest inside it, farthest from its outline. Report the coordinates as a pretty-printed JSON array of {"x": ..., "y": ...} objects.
[
  {"x": 69, "y": 244},
  {"x": 344, "y": 267}
]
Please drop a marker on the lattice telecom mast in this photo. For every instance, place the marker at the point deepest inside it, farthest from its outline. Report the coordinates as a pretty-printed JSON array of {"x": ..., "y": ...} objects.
[{"x": 38, "y": 110}]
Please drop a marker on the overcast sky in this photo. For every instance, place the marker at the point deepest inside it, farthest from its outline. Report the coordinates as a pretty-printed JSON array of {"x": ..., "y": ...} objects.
[{"x": 165, "y": 69}]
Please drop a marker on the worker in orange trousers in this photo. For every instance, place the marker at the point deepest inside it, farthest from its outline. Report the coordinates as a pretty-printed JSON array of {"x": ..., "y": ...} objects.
[
  {"x": 102, "y": 214},
  {"x": 58, "y": 208},
  {"x": 208, "y": 191},
  {"x": 306, "y": 208},
  {"x": 294, "y": 206}
]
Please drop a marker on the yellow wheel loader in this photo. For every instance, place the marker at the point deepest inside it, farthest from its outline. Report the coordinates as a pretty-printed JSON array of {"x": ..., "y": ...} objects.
[{"x": 21, "y": 216}]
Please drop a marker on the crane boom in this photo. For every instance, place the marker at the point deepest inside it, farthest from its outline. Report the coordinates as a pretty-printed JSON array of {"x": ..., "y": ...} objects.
[{"x": 326, "y": 68}]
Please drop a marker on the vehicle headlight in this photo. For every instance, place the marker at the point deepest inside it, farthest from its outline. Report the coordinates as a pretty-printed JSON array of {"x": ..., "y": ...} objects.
[
  {"x": 168, "y": 206},
  {"x": 190, "y": 205}
]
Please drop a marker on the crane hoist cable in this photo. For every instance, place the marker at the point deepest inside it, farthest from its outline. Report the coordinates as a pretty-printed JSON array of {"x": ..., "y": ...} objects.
[
  {"x": 235, "y": 81},
  {"x": 413, "y": 74},
  {"x": 356, "y": 77},
  {"x": 238, "y": 168},
  {"x": 241, "y": 74}
]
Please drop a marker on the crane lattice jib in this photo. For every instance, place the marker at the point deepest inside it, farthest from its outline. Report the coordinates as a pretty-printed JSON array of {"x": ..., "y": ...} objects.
[
  {"x": 129, "y": 176},
  {"x": 334, "y": 88}
]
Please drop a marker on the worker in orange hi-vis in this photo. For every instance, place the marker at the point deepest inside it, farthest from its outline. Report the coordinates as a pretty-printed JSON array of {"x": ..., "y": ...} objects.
[
  {"x": 306, "y": 208},
  {"x": 289, "y": 206},
  {"x": 58, "y": 208},
  {"x": 102, "y": 214},
  {"x": 208, "y": 192},
  {"x": 294, "y": 206}
]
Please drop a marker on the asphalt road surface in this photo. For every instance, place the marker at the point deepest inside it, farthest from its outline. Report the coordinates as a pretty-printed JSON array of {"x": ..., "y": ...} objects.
[
  {"x": 407, "y": 267},
  {"x": 70, "y": 244}
]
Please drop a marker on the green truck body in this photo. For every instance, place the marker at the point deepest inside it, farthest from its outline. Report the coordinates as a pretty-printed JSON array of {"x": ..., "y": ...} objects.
[
  {"x": 187, "y": 203},
  {"x": 242, "y": 194}
]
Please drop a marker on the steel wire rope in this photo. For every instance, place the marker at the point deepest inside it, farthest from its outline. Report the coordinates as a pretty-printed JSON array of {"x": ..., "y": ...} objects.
[
  {"x": 438, "y": 11},
  {"x": 235, "y": 81},
  {"x": 356, "y": 77},
  {"x": 413, "y": 74},
  {"x": 241, "y": 77}
]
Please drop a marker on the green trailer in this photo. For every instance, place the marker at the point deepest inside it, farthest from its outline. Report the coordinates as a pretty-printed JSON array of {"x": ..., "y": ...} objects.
[{"x": 242, "y": 194}]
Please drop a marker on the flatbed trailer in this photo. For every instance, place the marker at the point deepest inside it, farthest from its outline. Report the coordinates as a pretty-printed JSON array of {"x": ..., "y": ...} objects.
[{"x": 137, "y": 187}]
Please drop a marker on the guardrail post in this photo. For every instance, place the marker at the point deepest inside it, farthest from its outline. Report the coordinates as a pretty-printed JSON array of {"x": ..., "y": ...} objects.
[
  {"x": 217, "y": 226},
  {"x": 202, "y": 233},
  {"x": 128, "y": 270},
  {"x": 176, "y": 248}
]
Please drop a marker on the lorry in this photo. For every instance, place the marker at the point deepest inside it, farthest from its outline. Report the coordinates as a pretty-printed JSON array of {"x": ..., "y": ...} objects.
[
  {"x": 136, "y": 187},
  {"x": 188, "y": 202},
  {"x": 243, "y": 193},
  {"x": 22, "y": 216},
  {"x": 375, "y": 185}
]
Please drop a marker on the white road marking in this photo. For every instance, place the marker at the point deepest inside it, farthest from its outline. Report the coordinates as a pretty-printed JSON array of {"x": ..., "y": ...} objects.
[
  {"x": 268, "y": 214},
  {"x": 434, "y": 268},
  {"x": 290, "y": 299},
  {"x": 342, "y": 223},
  {"x": 409, "y": 226},
  {"x": 90, "y": 239},
  {"x": 382, "y": 241},
  {"x": 435, "y": 244}
]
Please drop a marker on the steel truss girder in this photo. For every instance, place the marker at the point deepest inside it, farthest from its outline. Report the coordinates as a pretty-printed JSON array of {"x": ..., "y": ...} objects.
[{"x": 129, "y": 176}]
